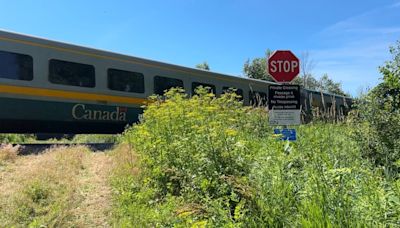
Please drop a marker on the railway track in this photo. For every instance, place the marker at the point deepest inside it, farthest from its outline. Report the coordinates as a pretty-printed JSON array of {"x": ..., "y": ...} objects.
[{"x": 36, "y": 148}]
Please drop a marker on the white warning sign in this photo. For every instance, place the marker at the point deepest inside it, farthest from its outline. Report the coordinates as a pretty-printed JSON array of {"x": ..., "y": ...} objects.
[{"x": 284, "y": 104}]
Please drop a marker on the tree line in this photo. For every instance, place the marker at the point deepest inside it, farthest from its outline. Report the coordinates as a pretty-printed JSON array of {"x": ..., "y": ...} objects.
[{"x": 256, "y": 68}]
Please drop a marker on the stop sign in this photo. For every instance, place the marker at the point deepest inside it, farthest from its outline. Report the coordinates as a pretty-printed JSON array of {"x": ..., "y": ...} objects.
[{"x": 283, "y": 66}]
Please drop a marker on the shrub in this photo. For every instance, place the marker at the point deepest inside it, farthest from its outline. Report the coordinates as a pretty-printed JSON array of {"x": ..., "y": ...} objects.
[
  {"x": 94, "y": 138},
  {"x": 16, "y": 138},
  {"x": 8, "y": 152},
  {"x": 378, "y": 118},
  {"x": 200, "y": 148},
  {"x": 207, "y": 161}
]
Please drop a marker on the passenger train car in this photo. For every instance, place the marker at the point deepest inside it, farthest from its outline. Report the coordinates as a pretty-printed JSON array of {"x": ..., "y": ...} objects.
[{"x": 54, "y": 87}]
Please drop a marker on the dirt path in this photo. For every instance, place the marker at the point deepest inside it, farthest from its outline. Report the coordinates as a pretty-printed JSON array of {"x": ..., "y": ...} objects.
[
  {"x": 95, "y": 209},
  {"x": 84, "y": 175}
]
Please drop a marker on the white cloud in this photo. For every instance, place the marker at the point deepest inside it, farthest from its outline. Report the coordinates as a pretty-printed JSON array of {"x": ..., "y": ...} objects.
[{"x": 353, "y": 49}]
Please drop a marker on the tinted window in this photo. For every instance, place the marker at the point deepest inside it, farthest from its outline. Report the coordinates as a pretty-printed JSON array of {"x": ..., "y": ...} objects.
[
  {"x": 231, "y": 89},
  {"x": 163, "y": 83},
  {"x": 70, "y": 73},
  {"x": 197, "y": 84},
  {"x": 258, "y": 98},
  {"x": 125, "y": 81},
  {"x": 16, "y": 66}
]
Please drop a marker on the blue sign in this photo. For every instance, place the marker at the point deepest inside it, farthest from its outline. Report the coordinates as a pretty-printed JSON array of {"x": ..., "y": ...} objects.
[{"x": 287, "y": 134}]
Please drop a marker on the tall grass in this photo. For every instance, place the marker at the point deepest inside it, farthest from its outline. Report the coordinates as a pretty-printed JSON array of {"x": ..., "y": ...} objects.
[
  {"x": 208, "y": 161},
  {"x": 8, "y": 153},
  {"x": 57, "y": 138},
  {"x": 41, "y": 190}
]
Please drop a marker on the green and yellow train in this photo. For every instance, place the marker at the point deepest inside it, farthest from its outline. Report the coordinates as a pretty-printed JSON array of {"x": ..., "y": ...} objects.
[{"x": 54, "y": 87}]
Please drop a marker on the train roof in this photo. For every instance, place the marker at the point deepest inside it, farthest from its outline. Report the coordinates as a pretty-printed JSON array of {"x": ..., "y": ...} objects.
[
  {"x": 94, "y": 52},
  {"x": 99, "y": 53},
  {"x": 328, "y": 94}
]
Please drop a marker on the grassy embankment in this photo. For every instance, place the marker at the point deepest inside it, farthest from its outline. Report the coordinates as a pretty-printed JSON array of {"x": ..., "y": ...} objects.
[
  {"x": 63, "y": 187},
  {"x": 207, "y": 161},
  {"x": 212, "y": 162}
]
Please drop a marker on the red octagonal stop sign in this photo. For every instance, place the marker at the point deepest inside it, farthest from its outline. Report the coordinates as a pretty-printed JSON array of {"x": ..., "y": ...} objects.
[{"x": 283, "y": 66}]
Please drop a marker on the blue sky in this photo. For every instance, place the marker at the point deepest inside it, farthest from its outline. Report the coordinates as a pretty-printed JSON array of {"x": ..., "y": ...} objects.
[{"x": 346, "y": 39}]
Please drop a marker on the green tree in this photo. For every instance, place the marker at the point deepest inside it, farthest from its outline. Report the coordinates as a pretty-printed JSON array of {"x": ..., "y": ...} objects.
[
  {"x": 389, "y": 89},
  {"x": 256, "y": 68},
  {"x": 203, "y": 66},
  {"x": 379, "y": 116},
  {"x": 308, "y": 81},
  {"x": 326, "y": 84}
]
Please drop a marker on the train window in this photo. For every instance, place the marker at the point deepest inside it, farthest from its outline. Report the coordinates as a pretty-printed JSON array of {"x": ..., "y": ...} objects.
[
  {"x": 258, "y": 98},
  {"x": 163, "y": 83},
  {"x": 16, "y": 66},
  {"x": 228, "y": 89},
  {"x": 197, "y": 84},
  {"x": 70, "y": 73},
  {"x": 127, "y": 81}
]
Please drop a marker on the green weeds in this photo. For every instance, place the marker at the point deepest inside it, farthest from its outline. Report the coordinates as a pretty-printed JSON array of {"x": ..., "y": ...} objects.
[{"x": 208, "y": 161}]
